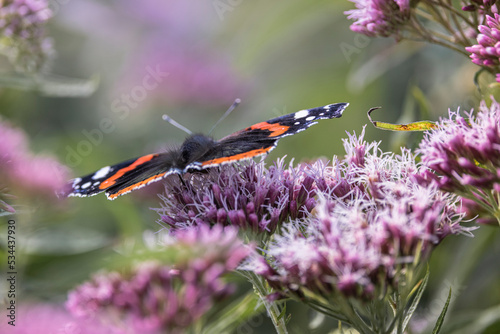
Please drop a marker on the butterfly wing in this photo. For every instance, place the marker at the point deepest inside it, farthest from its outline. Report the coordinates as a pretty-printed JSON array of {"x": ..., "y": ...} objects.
[
  {"x": 261, "y": 138},
  {"x": 124, "y": 177},
  {"x": 199, "y": 152}
]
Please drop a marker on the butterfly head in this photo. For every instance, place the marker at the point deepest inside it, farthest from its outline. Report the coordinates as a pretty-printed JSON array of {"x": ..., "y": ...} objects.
[{"x": 194, "y": 147}]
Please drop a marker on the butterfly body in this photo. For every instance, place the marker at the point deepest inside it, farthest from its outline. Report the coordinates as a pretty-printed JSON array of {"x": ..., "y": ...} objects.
[{"x": 199, "y": 152}]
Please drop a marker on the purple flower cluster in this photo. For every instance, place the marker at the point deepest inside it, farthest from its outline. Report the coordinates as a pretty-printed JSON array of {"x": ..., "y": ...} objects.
[
  {"x": 247, "y": 196},
  {"x": 374, "y": 222},
  {"x": 22, "y": 26},
  {"x": 23, "y": 172},
  {"x": 158, "y": 297},
  {"x": 463, "y": 157},
  {"x": 487, "y": 51},
  {"x": 381, "y": 18}
]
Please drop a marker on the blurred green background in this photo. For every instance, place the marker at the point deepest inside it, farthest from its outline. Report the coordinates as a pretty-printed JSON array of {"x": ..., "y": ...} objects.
[{"x": 278, "y": 57}]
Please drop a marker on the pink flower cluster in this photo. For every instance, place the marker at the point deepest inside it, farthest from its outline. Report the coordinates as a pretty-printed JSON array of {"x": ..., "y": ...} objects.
[
  {"x": 463, "y": 157},
  {"x": 373, "y": 219},
  {"x": 23, "y": 172},
  {"x": 250, "y": 197},
  {"x": 487, "y": 51},
  {"x": 382, "y": 18},
  {"x": 156, "y": 297}
]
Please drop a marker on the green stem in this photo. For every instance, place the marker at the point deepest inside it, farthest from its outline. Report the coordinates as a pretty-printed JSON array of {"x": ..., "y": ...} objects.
[
  {"x": 423, "y": 33},
  {"x": 450, "y": 41},
  {"x": 272, "y": 308},
  {"x": 449, "y": 7},
  {"x": 357, "y": 322}
]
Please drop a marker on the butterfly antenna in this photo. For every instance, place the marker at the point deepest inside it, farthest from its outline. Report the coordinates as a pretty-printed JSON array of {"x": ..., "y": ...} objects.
[
  {"x": 177, "y": 125},
  {"x": 228, "y": 111}
]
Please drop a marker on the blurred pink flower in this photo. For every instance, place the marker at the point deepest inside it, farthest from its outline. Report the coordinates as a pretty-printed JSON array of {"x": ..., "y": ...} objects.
[
  {"x": 52, "y": 319},
  {"x": 162, "y": 37},
  {"x": 26, "y": 173},
  {"x": 166, "y": 298},
  {"x": 192, "y": 73}
]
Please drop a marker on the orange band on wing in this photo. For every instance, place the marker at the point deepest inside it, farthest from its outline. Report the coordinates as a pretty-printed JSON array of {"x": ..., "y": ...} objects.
[
  {"x": 119, "y": 173},
  {"x": 136, "y": 185},
  {"x": 276, "y": 129},
  {"x": 241, "y": 156}
]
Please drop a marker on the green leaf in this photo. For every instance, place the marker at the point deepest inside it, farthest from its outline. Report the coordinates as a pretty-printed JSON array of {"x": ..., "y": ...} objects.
[
  {"x": 440, "y": 320},
  {"x": 415, "y": 126},
  {"x": 479, "y": 322},
  {"x": 235, "y": 314},
  {"x": 416, "y": 300}
]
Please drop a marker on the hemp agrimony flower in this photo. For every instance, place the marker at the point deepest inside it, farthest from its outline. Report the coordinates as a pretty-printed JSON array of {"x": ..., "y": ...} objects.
[
  {"x": 161, "y": 297},
  {"x": 248, "y": 196},
  {"x": 363, "y": 242},
  {"x": 463, "y": 157},
  {"x": 381, "y": 18},
  {"x": 487, "y": 52}
]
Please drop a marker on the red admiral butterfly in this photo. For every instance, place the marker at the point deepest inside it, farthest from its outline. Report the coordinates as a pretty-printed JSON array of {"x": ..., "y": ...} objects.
[{"x": 199, "y": 152}]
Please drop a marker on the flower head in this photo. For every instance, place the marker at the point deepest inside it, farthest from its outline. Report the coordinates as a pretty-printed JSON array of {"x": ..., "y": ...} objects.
[
  {"x": 22, "y": 25},
  {"x": 487, "y": 51},
  {"x": 382, "y": 18},
  {"x": 356, "y": 245},
  {"x": 247, "y": 196},
  {"x": 463, "y": 157},
  {"x": 169, "y": 298}
]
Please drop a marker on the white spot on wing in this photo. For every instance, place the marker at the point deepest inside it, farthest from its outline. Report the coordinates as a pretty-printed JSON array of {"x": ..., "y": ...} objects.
[
  {"x": 86, "y": 185},
  {"x": 301, "y": 114},
  {"x": 296, "y": 123},
  {"x": 310, "y": 118},
  {"x": 101, "y": 173}
]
